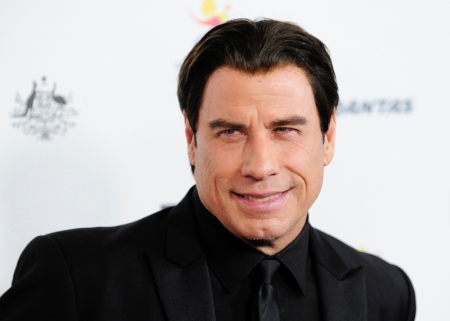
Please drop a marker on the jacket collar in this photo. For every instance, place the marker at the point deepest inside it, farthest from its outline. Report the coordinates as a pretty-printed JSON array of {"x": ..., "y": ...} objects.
[
  {"x": 341, "y": 282},
  {"x": 181, "y": 274}
]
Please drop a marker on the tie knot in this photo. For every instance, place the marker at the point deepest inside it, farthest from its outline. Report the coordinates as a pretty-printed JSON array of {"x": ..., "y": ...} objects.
[{"x": 267, "y": 269}]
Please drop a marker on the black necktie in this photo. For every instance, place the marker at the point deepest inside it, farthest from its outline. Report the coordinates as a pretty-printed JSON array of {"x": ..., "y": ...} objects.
[{"x": 267, "y": 308}]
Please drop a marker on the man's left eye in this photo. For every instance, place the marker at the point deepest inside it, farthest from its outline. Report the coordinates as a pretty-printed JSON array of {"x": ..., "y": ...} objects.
[
  {"x": 283, "y": 129},
  {"x": 229, "y": 131}
]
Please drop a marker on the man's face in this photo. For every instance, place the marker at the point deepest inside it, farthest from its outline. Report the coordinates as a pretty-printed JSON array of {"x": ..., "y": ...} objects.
[{"x": 260, "y": 153}]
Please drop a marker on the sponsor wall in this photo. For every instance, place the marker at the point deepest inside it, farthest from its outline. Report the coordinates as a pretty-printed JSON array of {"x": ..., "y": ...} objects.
[{"x": 91, "y": 133}]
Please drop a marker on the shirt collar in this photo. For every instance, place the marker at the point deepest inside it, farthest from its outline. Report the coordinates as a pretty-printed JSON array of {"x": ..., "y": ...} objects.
[
  {"x": 295, "y": 257},
  {"x": 231, "y": 259}
]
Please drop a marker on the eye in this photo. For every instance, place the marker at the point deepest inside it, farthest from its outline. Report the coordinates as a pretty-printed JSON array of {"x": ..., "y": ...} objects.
[
  {"x": 229, "y": 132},
  {"x": 231, "y": 135},
  {"x": 284, "y": 130}
]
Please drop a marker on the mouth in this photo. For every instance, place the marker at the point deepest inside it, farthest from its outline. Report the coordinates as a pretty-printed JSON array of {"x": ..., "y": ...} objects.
[{"x": 261, "y": 199}]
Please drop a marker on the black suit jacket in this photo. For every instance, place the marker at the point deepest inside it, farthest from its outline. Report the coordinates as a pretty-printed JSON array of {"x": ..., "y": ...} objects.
[{"x": 155, "y": 269}]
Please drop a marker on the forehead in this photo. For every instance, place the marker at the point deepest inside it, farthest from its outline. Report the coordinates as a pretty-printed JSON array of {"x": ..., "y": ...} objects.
[
  {"x": 281, "y": 89},
  {"x": 289, "y": 78}
]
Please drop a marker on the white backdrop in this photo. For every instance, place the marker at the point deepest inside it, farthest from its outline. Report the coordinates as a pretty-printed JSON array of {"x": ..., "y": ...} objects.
[{"x": 123, "y": 154}]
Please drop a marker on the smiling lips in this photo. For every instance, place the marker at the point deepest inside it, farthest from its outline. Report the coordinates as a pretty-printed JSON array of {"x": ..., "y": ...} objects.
[{"x": 261, "y": 198}]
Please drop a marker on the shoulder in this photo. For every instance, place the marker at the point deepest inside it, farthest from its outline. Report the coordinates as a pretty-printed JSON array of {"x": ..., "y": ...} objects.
[
  {"x": 98, "y": 244},
  {"x": 103, "y": 247},
  {"x": 72, "y": 269},
  {"x": 374, "y": 265},
  {"x": 387, "y": 286},
  {"x": 103, "y": 242}
]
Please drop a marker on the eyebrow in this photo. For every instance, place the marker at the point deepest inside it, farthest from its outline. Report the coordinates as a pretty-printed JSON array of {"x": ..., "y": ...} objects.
[
  {"x": 221, "y": 123},
  {"x": 290, "y": 121}
]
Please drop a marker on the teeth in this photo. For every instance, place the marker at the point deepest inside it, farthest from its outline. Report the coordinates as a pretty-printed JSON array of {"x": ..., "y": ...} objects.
[{"x": 264, "y": 199}]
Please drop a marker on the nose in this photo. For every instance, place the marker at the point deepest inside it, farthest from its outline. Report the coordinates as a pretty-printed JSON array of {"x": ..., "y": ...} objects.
[{"x": 260, "y": 158}]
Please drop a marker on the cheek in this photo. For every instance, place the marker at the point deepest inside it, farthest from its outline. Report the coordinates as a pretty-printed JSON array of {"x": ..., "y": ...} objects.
[
  {"x": 215, "y": 163},
  {"x": 305, "y": 161},
  {"x": 219, "y": 154},
  {"x": 301, "y": 154}
]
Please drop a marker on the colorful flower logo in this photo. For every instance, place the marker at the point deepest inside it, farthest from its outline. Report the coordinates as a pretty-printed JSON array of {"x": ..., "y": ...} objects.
[{"x": 212, "y": 17}]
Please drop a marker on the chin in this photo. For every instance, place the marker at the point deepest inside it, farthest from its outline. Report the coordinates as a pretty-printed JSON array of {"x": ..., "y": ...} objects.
[
  {"x": 260, "y": 233},
  {"x": 261, "y": 242}
]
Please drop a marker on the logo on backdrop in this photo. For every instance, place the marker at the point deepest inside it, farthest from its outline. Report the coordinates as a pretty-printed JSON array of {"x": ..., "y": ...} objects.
[
  {"x": 44, "y": 112},
  {"x": 211, "y": 16},
  {"x": 376, "y": 106}
]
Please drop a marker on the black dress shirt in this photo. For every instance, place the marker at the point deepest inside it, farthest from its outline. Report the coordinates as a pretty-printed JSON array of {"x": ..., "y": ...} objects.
[{"x": 231, "y": 262}]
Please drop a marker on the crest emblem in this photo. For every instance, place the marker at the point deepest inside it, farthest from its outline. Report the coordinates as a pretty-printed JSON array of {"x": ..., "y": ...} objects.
[{"x": 44, "y": 113}]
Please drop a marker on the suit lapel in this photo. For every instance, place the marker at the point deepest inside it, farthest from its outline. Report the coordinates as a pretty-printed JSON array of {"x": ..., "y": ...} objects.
[
  {"x": 181, "y": 275},
  {"x": 342, "y": 300},
  {"x": 185, "y": 292},
  {"x": 342, "y": 285}
]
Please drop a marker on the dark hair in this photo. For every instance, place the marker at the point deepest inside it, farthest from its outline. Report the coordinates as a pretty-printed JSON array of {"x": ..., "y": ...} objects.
[{"x": 252, "y": 47}]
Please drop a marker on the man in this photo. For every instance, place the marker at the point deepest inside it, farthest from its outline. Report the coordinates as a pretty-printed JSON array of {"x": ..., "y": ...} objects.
[{"x": 259, "y": 102}]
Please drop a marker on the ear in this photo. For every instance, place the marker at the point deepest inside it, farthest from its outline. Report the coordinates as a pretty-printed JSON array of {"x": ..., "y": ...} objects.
[
  {"x": 190, "y": 139},
  {"x": 329, "y": 139}
]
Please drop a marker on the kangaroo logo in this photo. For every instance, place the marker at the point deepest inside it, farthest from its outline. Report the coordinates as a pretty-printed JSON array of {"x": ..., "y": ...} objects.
[{"x": 43, "y": 113}]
